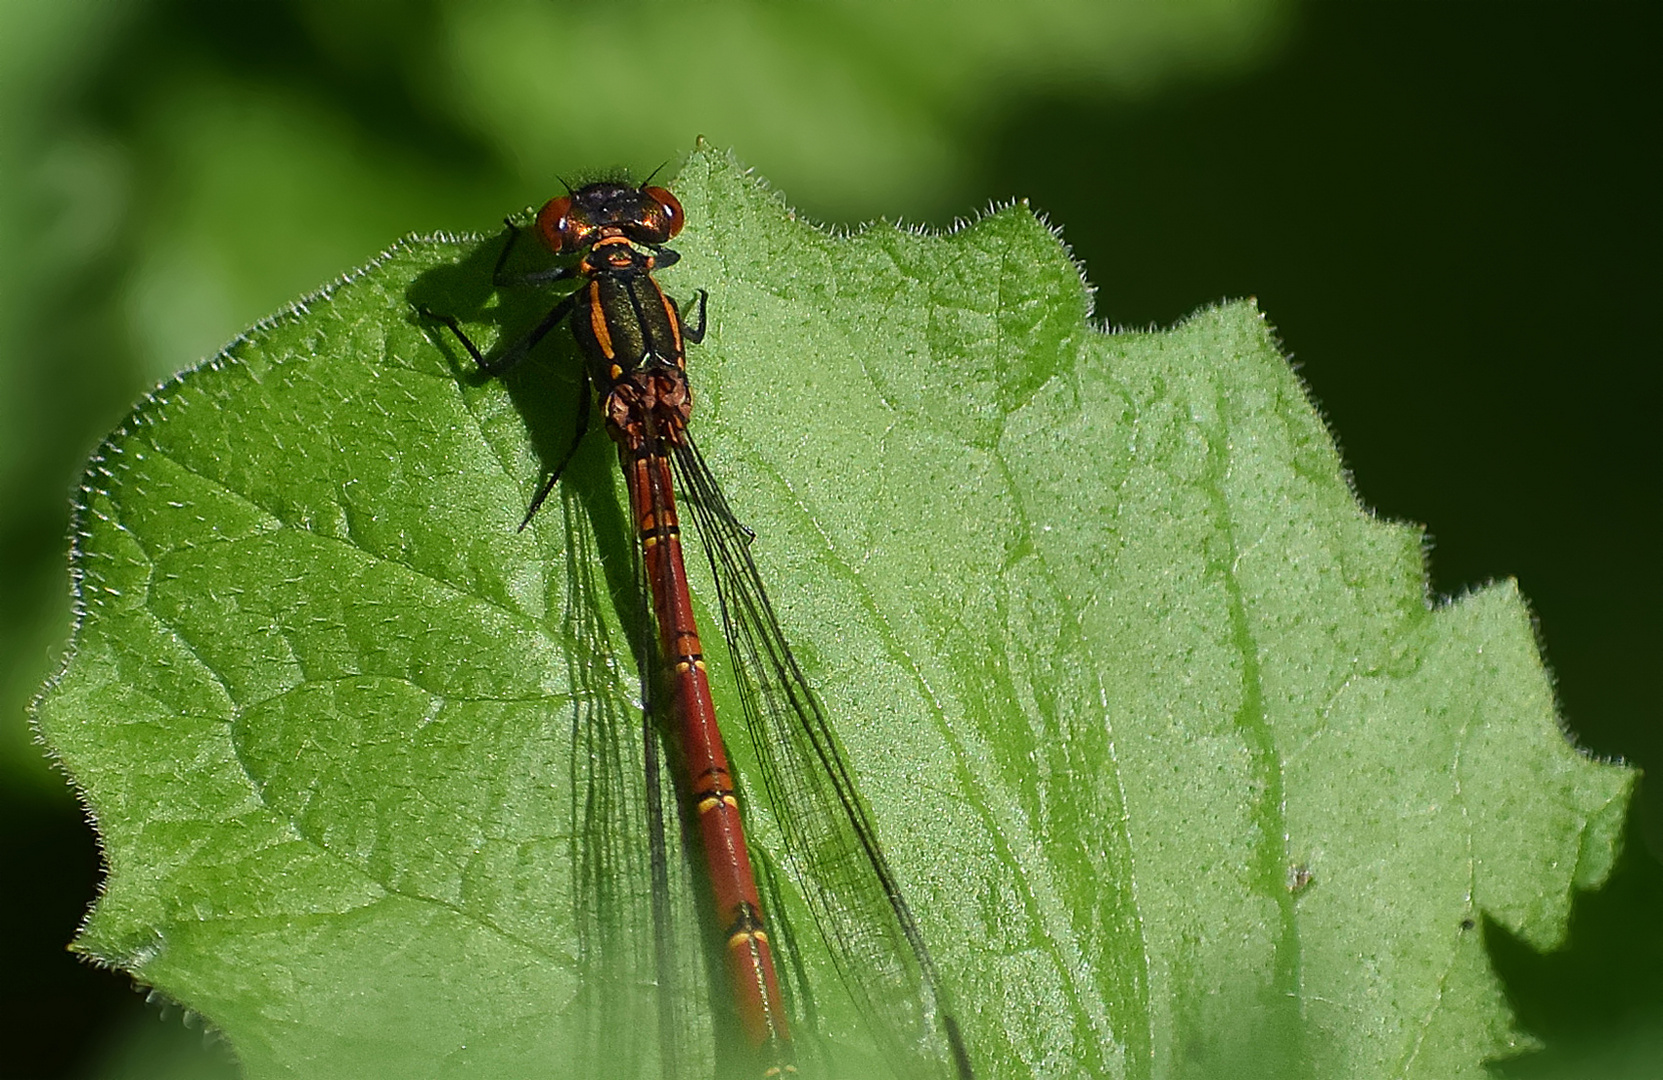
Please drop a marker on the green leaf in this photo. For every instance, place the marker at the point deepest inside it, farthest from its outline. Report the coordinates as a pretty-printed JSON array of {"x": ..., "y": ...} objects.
[{"x": 1181, "y": 770}]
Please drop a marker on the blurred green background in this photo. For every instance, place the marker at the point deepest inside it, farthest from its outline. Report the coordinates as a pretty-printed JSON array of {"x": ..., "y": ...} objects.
[{"x": 1449, "y": 211}]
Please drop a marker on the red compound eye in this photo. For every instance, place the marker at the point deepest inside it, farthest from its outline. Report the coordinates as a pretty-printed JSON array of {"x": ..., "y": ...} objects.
[
  {"x": 674, "y": 216},
  {"x": 553, "y": 222}
]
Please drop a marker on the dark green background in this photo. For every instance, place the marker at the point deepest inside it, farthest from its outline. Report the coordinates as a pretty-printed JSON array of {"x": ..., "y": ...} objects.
[{"x": 1449, "y": 211}]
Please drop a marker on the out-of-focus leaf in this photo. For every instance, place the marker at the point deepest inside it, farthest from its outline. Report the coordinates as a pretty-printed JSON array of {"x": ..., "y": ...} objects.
[
  {"x": 163, "y": 1048},
  {"x": 1179, "y": 768},
  {"x": 850, "y": 105}
]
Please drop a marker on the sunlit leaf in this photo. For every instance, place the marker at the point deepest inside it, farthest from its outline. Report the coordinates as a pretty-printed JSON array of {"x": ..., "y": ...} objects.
[{"x": 1181, "y": 771}]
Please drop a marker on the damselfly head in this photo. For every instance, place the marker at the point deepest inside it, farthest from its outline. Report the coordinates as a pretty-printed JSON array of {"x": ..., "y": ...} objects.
[{"x": 607, "y": 208}]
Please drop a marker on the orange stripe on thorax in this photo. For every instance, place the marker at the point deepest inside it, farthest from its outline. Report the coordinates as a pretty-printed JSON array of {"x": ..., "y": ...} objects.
[{"x": 597, "y": 319}]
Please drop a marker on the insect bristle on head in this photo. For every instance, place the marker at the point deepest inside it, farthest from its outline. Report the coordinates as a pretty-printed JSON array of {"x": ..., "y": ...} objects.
[{"x": 566, "y": 222}]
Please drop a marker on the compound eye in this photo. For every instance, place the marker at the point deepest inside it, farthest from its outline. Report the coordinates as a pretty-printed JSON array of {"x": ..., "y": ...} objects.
[
  {"x": 674, "y": 216},
  {"x": 553, "y": 222}
]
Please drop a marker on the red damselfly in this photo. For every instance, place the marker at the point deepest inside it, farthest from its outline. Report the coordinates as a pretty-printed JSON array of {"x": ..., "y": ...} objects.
[{"x": 633, "y": 337}]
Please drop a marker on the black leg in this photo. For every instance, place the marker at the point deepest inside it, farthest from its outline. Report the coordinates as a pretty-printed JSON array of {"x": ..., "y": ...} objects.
[
  {"x": 515, "y": 352},
  {"x": 502, "y": 259},
  {"x": 566, "y": 459},
  {"x": 695, "y": 334},
  {"x": 467, "y": 343},
  {"x": 536, "y": 277}
]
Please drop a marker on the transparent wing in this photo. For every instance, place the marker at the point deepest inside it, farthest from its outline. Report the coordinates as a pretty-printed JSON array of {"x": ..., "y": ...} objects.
[
  {"x": 641, "y": 1011},
  {"x": 831, "y": 844}
]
